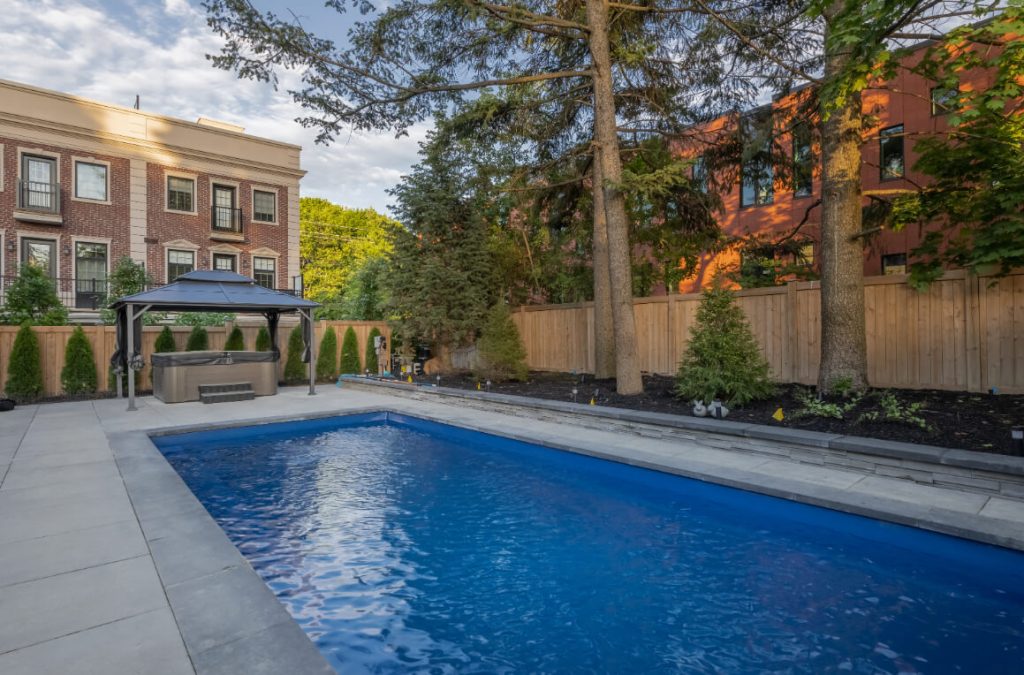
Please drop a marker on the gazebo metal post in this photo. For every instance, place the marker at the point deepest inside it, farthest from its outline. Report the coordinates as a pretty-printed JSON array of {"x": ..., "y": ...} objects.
[
  {"x": 312, "y": 352},
  {"x": 128, "y": 360}
]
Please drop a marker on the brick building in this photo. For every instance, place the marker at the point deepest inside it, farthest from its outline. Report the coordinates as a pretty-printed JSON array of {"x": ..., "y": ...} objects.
[{"x": 84, "y": 183}]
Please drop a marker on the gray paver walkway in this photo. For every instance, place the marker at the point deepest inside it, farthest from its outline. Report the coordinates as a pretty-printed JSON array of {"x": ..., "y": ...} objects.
[{"x": 109, "y": 565}]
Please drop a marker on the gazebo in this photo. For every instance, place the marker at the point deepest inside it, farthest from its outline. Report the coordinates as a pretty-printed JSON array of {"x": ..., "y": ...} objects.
[{"x": 208, "y": 291}]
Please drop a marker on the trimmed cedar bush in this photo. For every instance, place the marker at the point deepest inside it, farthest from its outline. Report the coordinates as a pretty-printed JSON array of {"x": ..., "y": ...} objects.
[
  {"x": 722, "y": 360},
  {"x": 165, "y": 342},
  {"x": 327, "y": 361},
  {"x": 500, "y": 349},
  {"x": 198, "y": 340},
  {"x": 294, "y": 368},
  {"x": 112, "y": 380},
  {"x": 349, "y": 353},
  {"x": 78, "y": 376},
  {"x": 263, "y": 340},
  {"x": 235, "y": 341},
  {"x": 24, "y": 369},
  {"x": 370, "y": 359}
]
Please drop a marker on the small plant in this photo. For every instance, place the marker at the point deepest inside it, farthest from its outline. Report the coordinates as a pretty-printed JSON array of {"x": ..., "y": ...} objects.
[
  {"x": 235, "y": 341},
  {"x": 198, "y": 340},
  {"x": 24, "y": 369},
  {"x": 165, "y": 342},
  {"x": 370, "y": 355},
  {"x": 892, "y": 409},
  {"x": 32, "y": 296},
  {"x": 814, "y": 406},
  {"x": 294, "y": 368},
  {"x": 842, "y": 386},
  {"x": 263, "y": 340},
  {"x": 722, "y": 360},
  {"x": 501, "y": 350},
  {"x": 78, "y": 376},
  {"x": 203, "y": 318},
  {"x": 349, "y": 353},
  {"x": 327, "y": 360}
]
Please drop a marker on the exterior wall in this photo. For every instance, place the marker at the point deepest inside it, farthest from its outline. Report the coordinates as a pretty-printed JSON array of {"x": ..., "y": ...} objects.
[{"x": 139, "y": 148}]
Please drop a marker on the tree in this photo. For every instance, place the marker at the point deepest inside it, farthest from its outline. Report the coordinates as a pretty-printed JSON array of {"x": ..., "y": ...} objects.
[
  {"x": 500, "y": 348},
  {"x": 127, "y": 278},
  {"x": 32, "y": 296},
  {"x": 263, "y": 340},
  {"x": 198, "y": 340},
  {"x": 24, "y": 369},
  {"x": 335, "y": 243},
  {"x": 235, "y": 341},
  {"x": 327, "y": 361},
  {"x": 722, "y": 359},
  {"x": 294, "y": 369},
  {"x": 370, "y": 354},
  {"x": 78, "y": 376},
  {"x": 165, "y": 342},
  {"x": 365, "y": 297},
  {"x": 349, "y": 353}
]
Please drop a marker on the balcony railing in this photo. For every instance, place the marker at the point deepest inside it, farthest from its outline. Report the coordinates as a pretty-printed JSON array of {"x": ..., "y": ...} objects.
[
  {"x": 39, "y": 197},
  {"x": 226, "y": 219}
]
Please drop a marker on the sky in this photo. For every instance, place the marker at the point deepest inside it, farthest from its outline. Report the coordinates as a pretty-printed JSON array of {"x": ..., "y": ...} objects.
[{"x": 111, "y": 50}]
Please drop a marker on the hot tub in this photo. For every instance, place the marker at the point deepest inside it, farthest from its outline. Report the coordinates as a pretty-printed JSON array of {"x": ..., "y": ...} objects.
[{"x": 178, "y": 375}]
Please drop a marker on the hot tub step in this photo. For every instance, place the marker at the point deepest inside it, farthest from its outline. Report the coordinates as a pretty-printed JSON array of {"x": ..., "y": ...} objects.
[
  {"x": 227, "y": 396},
  {"x": 224, "y": 388}
]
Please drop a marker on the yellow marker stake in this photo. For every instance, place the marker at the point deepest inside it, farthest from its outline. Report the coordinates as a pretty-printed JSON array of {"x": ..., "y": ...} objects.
[
  {"x": 778, "y": 416},
  {"x": 478, "y": 386},
  {"x": 410, "y": 379},
  {"x": 592, "y": 401}
]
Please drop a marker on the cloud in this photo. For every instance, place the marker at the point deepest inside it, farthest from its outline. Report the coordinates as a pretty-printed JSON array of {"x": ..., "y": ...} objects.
[{"x": 114, "y": 50}]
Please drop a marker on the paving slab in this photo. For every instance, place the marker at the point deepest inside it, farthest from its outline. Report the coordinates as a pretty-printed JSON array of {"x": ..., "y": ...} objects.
[
  {"x": 258, "y": 654},
  {"x": 936, "y": 497},
  {"x": 29, "y": 523}
]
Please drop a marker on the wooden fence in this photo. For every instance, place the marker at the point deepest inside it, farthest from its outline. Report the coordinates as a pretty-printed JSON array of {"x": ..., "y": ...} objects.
[
  {"x": 963, "y": 333},
  {"x": 54, "y": 339}
]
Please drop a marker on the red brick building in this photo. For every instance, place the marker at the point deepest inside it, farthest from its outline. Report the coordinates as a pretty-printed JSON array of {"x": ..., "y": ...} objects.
[{"x": 84, "y": 183}]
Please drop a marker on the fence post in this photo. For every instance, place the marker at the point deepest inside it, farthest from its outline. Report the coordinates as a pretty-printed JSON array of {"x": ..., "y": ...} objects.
[
  {"x": 97, "y": 356},
  {"x": 972, "y": 332},
  {"x": 793, "y": 332}
]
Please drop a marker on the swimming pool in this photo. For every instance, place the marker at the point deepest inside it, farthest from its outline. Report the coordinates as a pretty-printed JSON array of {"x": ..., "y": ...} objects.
[{"x": 403, "y": 545}]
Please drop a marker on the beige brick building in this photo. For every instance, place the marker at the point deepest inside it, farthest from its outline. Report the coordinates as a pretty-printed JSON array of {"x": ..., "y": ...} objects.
[{"x": 83, "y": 183}]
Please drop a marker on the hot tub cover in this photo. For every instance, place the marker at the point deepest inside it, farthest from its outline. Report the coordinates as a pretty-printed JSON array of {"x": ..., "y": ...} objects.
[{"x": 210, "y": 358}]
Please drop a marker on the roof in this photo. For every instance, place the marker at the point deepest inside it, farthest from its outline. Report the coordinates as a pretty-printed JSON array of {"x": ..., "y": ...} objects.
[{"x": 216, "y": 291}]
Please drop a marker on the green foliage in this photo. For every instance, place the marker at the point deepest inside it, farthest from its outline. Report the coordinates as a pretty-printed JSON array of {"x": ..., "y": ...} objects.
[
  {"x": 165, "y": 341},
  {"x": 722, "y": 360},
  {"x": 294, "y": 369},
  {"x": 112, "y": 380},
  {"x": 349, "y": 353},
  {"x": 78, "y": 376},
  {"x": 235, "y": 341},
  {"x": 327, "y": 360},
  {"x": 370, "y": 354},
  {"x": 815, "y": 406},
  {"x": 32, "y": 297},
  {"x": 24, "y": 368},
  {"x": 203, "y": 318},
  {"x": 893, "y": 410},
  {"x": 772, "y": 261},
  {"x": 263, "y": 340},
  {"x": 127, "y": 278},
  {"x": 198, "y": 340},
  {"x": 500, "y": 348}
]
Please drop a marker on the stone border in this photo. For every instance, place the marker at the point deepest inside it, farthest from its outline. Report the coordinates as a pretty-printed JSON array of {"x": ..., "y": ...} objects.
[{"x": 229, "y": 619}]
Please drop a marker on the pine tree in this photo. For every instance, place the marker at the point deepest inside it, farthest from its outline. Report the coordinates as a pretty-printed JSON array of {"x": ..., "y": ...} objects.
[
  {"x": 198, "y": 340},
  {"x": 327, "y": 360},
  {"x": 722, "y": 360},
  {"x": 370, "y": 354},
  {"x": 24, "y": 369},
  {"x": 349, "y": 353},
  {"x": 263, "y": 340},
  {"x": 235, "y": 341},
  {"x": 79, "y": 373},
  {"x": 165, "y": 342},
  {"x": 500, "y": 348},
  {"x": 294, "y": 369}
]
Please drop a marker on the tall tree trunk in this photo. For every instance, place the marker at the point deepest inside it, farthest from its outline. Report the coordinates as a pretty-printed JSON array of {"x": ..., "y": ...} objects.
[
  {"x": 604, "y": 326},
  {"x": 843, "y": 341},
  {"x": 606, "y": 135}
]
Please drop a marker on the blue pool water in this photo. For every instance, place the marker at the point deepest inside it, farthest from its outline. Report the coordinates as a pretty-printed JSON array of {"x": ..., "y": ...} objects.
[{"x": 401, "y": 545}]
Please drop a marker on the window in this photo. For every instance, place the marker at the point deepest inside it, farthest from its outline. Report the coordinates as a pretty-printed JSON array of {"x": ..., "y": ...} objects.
[
  {"x": 264, "y": 271},
  {"x": 700, "y": 173},
  {"x": 894, "y": 263},
  {"x": 90, "y": 274},
  {"x": 91, "y": 181},
  {"x": 803, "y": 162},
  {"x": 226, "y": 217},
  {"x": 264, "y": 206},
  {"x": 943, "y": 100},
  {"x": 805, "y": 256},
  {"x": 890, "y": 143},
  {"x": 179, "y": 262},
  {"x": 181, "y": 194},
  {"x": 757, "y": 175},
  {"x": 39, "y": 189},
  {"x": 41, "y": 253},
  {"x": 224, "y": 261}
]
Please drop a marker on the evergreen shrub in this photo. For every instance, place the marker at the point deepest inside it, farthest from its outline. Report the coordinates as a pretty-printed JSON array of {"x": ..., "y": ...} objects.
[
  {"x": 78, "y": 376},
  {"x": 235, "y": 341},
  {"x": 198, "y": 340},
  {"x": 350, "y": 353},
  {"x": 263, "y": 340},
  {"x": 500, "y": 349},
  {"x": 370, "y": 354},
  {"x": 165, "y": 342},
  {"x": 294, "y": 368},
  {"x": 24, "y": 368},
  {"x": 327, "y": 360}
]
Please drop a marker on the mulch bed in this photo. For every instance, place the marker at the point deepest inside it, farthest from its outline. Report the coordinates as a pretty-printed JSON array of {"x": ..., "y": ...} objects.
[{"x": 979, "y": 422}]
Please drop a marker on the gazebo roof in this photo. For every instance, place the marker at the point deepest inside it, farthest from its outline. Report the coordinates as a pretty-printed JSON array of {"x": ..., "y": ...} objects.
[{"x": 215, "y": 291}]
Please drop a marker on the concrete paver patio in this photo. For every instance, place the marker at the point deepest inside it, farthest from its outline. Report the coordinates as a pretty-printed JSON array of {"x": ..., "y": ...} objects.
[{"x": 109, "y": 565}]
